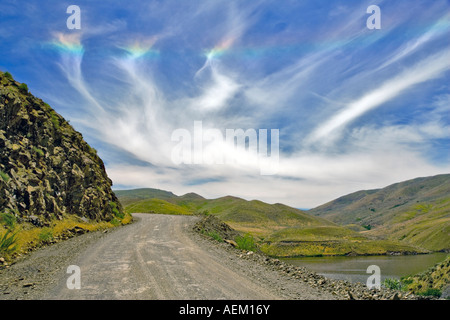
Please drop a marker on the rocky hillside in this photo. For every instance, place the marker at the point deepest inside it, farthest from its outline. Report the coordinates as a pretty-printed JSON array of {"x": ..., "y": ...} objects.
[{"x": 47, "y": 170}]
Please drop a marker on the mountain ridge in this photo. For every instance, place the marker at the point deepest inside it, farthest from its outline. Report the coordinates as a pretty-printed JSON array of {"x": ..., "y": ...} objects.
[{"x": 416, "y": 211}]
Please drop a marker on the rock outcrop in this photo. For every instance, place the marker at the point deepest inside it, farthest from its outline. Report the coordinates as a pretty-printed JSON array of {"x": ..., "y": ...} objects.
[{"x": 47, "y": 170}]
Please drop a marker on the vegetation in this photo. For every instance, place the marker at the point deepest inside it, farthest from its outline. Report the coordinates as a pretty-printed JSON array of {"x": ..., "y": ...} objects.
[
  {"x": 131, "y": 196},
  {"x": 415, "y": 212},
  {"x": 246, "y": 242},
  {"x": 39, "y": 151},
  {"x": 46, "y": 235},
  {"x": 20, "y": 238},
  {"x": 115, "y": 210},
  {"x": 215, "y": 235},
  {"x": 54, "y": 118},
  {"x": 156, "y": 206},
  {"x": 4, "y": 176},
  {"x": 8, "y": 220},
  {"x": 278, "y": 230},
  {"x": 393, "y": 284},
  {"x": 430, "y": 282},
  {"x": 8, "y": 75},
  {"x": 23, "y": 88},
  {"x": 8, "y": 242}
]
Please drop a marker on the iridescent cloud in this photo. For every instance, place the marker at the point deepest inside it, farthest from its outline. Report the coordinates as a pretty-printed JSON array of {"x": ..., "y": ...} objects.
[
  {"x": 68, "y": 43},
  {"x": 141, "y": 47}
]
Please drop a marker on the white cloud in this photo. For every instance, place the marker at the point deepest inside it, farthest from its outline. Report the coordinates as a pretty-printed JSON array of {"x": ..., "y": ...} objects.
[
  {"x": 427, "y": 69},
  {"x": 140, "y": 116}
]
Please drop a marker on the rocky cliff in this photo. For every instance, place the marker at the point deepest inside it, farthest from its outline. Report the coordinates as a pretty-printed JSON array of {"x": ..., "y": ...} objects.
[{"x": 47, "y": 170}]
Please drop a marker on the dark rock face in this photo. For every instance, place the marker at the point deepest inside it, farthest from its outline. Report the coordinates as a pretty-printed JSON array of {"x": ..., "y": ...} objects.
[{"x": 46, "y": 168}]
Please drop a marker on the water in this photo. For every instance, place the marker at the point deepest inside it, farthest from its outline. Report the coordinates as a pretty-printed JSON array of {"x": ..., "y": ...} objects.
[{"x": 354, "y": 269}]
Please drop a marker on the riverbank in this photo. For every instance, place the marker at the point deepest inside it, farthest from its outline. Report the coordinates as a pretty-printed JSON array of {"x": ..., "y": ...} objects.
[{"x": 340, "y": 289}]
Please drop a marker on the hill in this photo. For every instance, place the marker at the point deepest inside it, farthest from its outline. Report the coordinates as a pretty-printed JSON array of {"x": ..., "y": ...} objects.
[
  {"x": 415, "y": 212},
  {"x": 134, "y": 195},
  {"x": 279, "y": 230}
]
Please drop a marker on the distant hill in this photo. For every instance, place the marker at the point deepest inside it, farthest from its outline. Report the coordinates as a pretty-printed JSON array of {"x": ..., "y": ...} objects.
[
  {"x": 280, "y": 230},
  {"x": 415, "y": 211},
  {"x": 134, "y": 195}
]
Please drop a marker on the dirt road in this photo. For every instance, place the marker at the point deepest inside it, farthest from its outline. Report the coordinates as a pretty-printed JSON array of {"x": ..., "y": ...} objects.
[{"x": 157, "y": 257}]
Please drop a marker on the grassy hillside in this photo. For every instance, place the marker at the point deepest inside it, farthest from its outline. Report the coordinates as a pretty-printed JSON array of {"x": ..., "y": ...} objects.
[
  {"x": 156, "y": 206},
  {"x": 279, "y": 230},
  {"x": 414, "y": 212},
  {"x": 130, "y": 196},
  {"x": 431, "y": 282}
]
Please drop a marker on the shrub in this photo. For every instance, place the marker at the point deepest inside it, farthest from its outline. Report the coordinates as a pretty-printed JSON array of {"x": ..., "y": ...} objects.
[
  {"x": 246, "y": 242},
  {"x": 23, "y": 88},
  {"x": 393, "y": 284},
  {"x": 115, "y": 210},
  {"x": 8, "y": 219},
  {"x": 430, "y": 292},
  {"x": 215, "y": 235},
  {"x": 8, "y": 75},
  {"x": 8, "y": 242},
  {"x": 204, "y": 213},
  {"x": 115, "y": 222}
]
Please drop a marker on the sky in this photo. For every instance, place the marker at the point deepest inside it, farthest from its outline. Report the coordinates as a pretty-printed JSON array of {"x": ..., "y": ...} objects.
[{"x": 160, "y": 88}]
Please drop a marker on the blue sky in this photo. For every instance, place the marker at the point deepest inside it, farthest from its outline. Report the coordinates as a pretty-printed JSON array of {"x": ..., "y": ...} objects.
[{"x": 356, "y": 108}]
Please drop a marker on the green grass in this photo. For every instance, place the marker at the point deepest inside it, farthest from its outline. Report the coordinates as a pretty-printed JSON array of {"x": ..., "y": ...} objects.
[
  {"x": 215, "y": 235},
  {"x": 39, "y": 151},
  {"x": 156, "y": 206},
  {"x": 246, "y": 242},
  {"x": 430, "y": 292},
  {"x": 429, "y": 283},
  {"x": 8, "y": 242},
  {"x": 46, "y": 235},
  {"x": 8, "y": 219},
  {"x": 334, "y": 248},
  {"x": 128, "y": 197},
  {"x": 393, "y": 284},
  {"x": 55, "y": 119},
  {"x": 115, "y": 210},
  {"x": 25, "y": 236},
  {"x": 319, "y": 233},
  {"x": 4, "y": 176}
]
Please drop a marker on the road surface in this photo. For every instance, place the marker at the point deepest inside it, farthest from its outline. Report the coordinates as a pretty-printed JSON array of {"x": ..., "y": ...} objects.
[{"x": 156, "y": 257}]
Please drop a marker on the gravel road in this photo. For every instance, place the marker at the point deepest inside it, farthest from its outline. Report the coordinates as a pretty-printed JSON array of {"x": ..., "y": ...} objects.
[{"x": 156, "y": 257}]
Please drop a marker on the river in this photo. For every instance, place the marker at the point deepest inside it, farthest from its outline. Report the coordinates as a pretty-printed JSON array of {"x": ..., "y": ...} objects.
[{"x": 354, "y": 269}]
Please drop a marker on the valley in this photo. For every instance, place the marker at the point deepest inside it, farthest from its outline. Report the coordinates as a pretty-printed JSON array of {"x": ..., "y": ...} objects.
[{"x": 350, "y": 225}]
